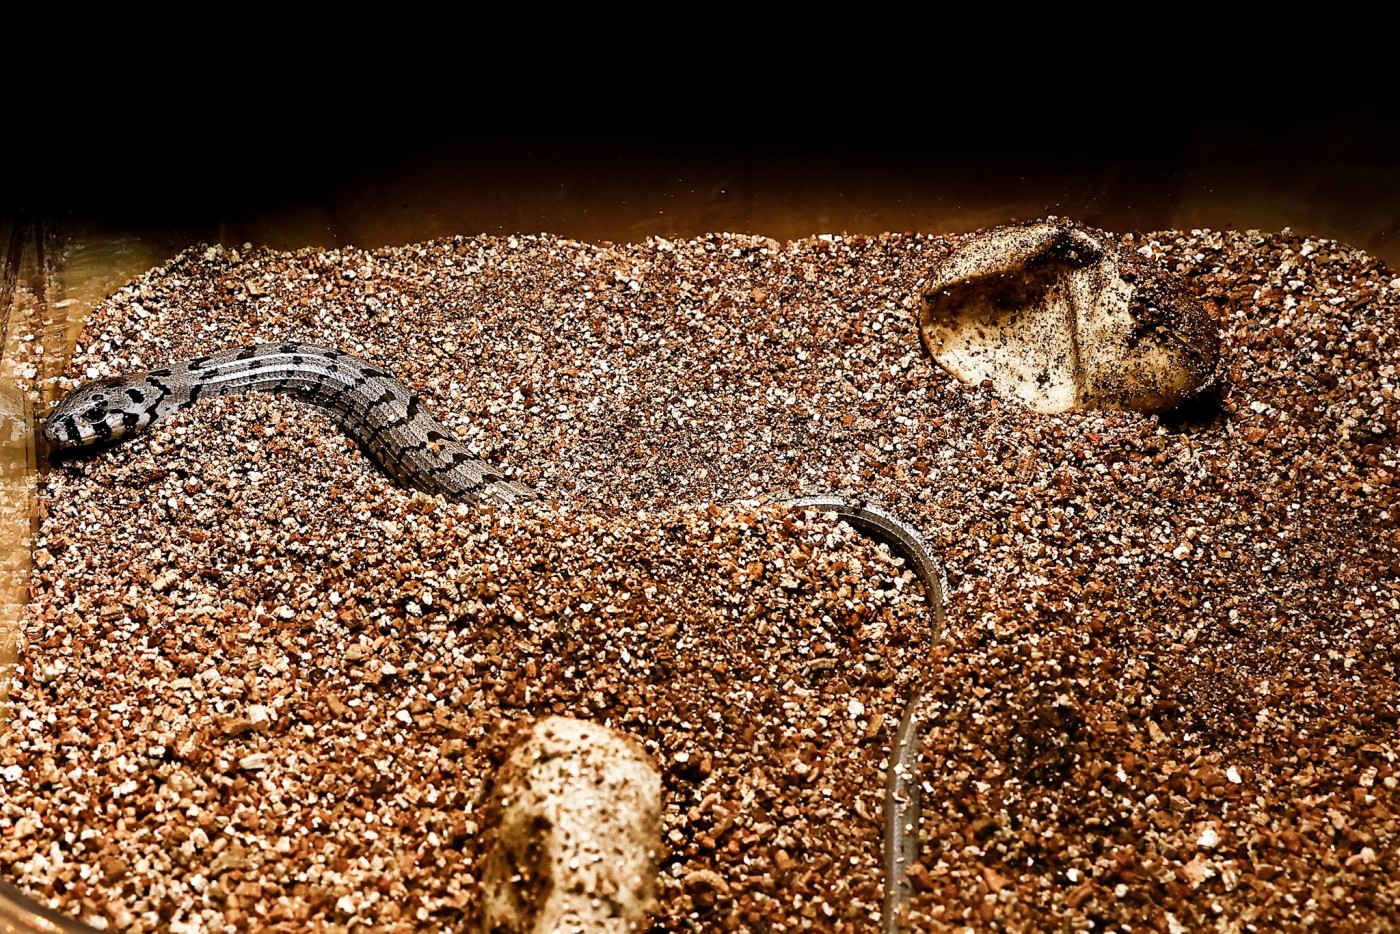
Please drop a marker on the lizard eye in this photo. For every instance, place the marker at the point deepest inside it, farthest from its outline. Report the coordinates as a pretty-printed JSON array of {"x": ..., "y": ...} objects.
[{"x": 97, "y": 412}]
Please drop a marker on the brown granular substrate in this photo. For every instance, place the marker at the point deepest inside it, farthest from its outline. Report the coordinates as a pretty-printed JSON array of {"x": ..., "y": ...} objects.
[{"x": 263, "y": 687}]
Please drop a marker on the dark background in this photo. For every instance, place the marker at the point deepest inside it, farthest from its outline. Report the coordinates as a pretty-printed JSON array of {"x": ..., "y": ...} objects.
[{"x": 414, "y": 130}]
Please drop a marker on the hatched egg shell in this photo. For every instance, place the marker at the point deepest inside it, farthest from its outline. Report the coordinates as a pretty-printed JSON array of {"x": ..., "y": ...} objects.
[
  {"x": 578, "y": 830},
  {"x": 1062, "y": 317}
]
